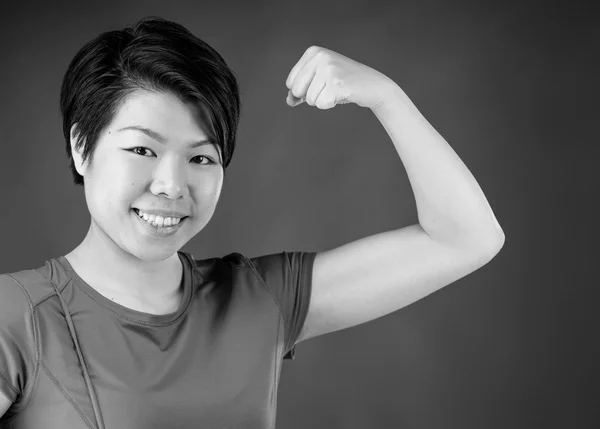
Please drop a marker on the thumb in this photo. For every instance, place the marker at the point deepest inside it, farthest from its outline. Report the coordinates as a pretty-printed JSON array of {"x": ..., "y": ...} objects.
[{"x": 292, "y": 100}]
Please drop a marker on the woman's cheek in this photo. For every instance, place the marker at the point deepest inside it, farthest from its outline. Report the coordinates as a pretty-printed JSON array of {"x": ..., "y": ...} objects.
[{"x": 212, "y": 184}]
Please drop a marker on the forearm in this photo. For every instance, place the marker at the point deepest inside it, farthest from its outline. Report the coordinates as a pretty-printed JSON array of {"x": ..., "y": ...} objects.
[{"x": 451, "y": 206}]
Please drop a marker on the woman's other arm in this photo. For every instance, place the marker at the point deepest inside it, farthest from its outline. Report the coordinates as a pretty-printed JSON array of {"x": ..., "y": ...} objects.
[{"x": 5, "y": 404}]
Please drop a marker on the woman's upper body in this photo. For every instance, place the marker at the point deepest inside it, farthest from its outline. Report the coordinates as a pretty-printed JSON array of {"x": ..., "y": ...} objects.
[
  {"x": 149, "y": 118},
  {"x": 213, "y": 362}
]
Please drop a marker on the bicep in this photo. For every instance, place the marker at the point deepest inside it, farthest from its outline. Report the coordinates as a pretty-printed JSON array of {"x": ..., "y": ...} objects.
[
  {"x": 376, "y": 275},
  {"x": 5, "y": 403}
]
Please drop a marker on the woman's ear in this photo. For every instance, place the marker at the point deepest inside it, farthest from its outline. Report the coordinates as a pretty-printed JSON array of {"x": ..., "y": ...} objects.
[{"x": 77, "y": 153}]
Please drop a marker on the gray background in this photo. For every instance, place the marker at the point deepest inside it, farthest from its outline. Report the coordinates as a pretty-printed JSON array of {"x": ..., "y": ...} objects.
[{"x": 512, "y": 87}]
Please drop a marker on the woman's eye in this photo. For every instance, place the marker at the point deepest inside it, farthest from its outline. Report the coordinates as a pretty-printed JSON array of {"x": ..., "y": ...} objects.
[
  {"x": 137, "y": 149},
  {"x": 209, "y": 161}
]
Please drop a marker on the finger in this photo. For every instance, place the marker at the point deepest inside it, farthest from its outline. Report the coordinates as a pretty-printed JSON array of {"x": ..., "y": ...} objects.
[
  {"x": 292, "y": 100},
  {"x": 304, "y": 78},
  {"x": 308, "y": 54},
  {"x": 317, "y": 85},
  {"x": 326, "y": 99}
]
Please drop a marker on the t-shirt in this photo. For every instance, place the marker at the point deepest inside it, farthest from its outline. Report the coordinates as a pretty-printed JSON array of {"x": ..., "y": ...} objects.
[{"x": 72, "y": 358}]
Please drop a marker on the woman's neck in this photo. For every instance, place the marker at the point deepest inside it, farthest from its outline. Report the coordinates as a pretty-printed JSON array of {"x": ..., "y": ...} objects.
[{"x": 127, "y": 280}]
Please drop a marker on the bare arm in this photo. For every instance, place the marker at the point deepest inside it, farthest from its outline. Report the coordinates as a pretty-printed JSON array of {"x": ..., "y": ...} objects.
[
  {"x": 5, "y": 404},
  {"x": 457, "y": 231}
]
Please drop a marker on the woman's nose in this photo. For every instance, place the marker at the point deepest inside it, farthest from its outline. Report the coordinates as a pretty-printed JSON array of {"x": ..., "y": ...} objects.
[{"x": 170, "y": 179}]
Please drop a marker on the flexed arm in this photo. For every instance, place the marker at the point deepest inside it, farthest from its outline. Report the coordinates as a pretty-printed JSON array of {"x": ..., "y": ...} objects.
[{"x": 457, "y": 231}]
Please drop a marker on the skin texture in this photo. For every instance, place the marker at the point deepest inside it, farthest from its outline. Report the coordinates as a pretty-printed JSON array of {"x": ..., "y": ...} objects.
[
  {"x": 5, "y": 404},
  {"x": 117, "y": 257}
]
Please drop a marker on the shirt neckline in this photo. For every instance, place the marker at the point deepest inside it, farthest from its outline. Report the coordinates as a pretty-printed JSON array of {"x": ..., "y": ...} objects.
[{"x": 129, "y": 313}]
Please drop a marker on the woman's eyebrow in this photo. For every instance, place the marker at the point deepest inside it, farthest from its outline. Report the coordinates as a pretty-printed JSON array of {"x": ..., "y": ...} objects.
[{"x": 161, "y": 139}]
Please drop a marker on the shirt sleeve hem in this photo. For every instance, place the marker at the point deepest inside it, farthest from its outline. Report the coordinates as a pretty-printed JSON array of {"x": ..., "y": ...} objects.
[{"x": 306, "y": 280}]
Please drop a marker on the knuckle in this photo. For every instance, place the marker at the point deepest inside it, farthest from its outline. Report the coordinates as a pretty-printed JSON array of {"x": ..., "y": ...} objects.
[
  {"x": 323, "y": 55},
  {"x": 314, "y": 49},
  {"x": 338, "y": 81}
]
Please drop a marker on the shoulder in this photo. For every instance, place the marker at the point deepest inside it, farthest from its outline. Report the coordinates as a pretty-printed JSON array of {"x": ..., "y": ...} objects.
[
  {"x": 219, "y": 266},
  {"x": 20, "y": 293},
  {"x": 272, "y": 271},
  {"x": 216, "y": 268},
  {"x": 269, "y": 271},
  {"x": 227, "y": 276},
  {"x": 25, "y": 288},
  {"x": 19, "y": 333},
  {"x": 14, "y": 298},
  {"x": 276, "y": 266},
  {"x": 273, "y": 266}
]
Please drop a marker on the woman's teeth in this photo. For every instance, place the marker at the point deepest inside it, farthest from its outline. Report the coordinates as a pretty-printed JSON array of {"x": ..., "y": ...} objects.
[{"x": 158, "y": 220}]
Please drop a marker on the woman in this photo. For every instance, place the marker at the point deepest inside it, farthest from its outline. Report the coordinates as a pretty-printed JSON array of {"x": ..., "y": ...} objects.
[{"x": 126, "y": 330}]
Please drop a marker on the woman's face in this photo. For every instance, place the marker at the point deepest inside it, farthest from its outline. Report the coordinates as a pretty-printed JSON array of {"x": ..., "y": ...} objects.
[{"x": 131, "y": 169}]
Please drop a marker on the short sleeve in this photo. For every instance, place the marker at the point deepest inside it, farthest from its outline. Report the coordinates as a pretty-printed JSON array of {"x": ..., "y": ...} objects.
[
  {"x": 288, "y": 276},
  {"x": 17, "y": 344}
]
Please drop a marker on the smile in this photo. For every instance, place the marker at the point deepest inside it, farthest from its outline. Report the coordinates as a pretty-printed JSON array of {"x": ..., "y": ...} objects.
[
  {"x": 156, "y": 230},
  {"x": 159, "y": 220}
]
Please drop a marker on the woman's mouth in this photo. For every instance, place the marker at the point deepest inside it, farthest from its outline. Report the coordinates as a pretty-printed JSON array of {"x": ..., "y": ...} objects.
[{"x": 160, "y": 228}]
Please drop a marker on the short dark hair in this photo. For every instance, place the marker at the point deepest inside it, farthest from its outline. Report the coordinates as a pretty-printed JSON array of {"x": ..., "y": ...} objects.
[{"x": 154, "y": 54}]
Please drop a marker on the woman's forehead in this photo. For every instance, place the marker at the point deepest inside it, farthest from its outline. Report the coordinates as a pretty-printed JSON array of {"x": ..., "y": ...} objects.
[{"x": 167, "y": 114}]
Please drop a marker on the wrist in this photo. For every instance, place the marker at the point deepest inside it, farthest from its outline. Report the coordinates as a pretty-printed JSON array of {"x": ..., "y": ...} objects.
[
  {"x": 391, "y": 97},
  {"x": 393, "y": 102}
]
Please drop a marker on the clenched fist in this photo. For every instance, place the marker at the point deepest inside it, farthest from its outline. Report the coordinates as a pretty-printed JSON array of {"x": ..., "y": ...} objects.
[{"x": 324, "y": 78}]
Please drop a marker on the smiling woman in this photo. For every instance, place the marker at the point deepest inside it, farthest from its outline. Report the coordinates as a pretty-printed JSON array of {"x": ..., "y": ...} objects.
[
  {"x": 162, "y": 179},
  {"x": 128, "y": 331}
]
